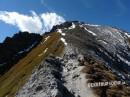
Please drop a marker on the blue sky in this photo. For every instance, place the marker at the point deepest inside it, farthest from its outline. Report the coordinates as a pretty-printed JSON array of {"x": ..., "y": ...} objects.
[{"x": 104, "y": 12}]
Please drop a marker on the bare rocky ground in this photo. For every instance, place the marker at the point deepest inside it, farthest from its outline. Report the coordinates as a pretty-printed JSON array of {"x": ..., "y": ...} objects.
[{"x": 58, "y": 77}]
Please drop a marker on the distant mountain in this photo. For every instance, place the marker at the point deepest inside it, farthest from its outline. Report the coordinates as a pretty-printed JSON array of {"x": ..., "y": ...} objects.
[
  {"x": 15, "y": 48},
  {"x": 74, "y": 59}
]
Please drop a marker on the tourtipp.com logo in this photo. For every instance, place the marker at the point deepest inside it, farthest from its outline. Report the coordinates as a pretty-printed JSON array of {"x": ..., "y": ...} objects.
[{"x": 110, "y": 83}]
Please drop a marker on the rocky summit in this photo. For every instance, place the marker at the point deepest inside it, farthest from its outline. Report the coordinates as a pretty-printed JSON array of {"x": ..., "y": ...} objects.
[{"x": 74, "y": 59}]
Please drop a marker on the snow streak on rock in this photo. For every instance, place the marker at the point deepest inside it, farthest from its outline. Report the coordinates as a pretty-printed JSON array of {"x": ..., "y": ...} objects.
[
  {"x": 127, "y": 35},
  {"x": 63, "y": 40},
  {"x": 60, "y": 31},
  {"x": 73, "y": 26},
  {"x": 90, "y": 31}
]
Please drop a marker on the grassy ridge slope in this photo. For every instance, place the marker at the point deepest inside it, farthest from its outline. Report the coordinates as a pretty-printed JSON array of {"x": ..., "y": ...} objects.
[{"x": 20, "y": 72}]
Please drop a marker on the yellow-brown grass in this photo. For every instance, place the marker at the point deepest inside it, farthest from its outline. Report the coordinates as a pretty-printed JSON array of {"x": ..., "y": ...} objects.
[
  {"x": 98, "y": 72},
  {"x": 16, "y": 77},
  {"x": 128, "y": 40}
]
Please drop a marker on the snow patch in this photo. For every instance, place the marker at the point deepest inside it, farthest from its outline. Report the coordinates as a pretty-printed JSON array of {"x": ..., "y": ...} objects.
[
  {"x": 28, "y": 49},
  {"x": 90, "y": 32},
  {"x": 81, "y": 26},
  {"x": 124, "y": 60},
  {"x": 127, "y": 35},
  {"x": 20, "y": 52},
  {"x": 6, "y": 96},
  {"x": 92, "y": 25},
  {"x": 45, "y": 50},
  {"x": 60, "y": 31},
  {"x": 63, "y": 40},
  {"x": 121, "y": 75},
  {"x": 102, "y": 41},
  {"x": 54, "y": 92},
  {"x": 73, "y": 26},
  {"x": 63, "y": 34},
  {"x": 47, "y": 38}
]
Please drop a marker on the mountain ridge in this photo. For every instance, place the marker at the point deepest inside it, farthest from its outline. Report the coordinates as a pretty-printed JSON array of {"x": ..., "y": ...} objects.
[
  {"x": 16, "y": 47},
  {"x": 71, "y": 56}
]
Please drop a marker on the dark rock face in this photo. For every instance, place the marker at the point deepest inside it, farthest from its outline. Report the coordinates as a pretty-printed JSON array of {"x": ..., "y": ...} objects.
[{"x": 15, "y": 48}]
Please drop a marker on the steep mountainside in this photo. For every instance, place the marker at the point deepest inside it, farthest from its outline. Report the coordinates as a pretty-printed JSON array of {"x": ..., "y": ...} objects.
[
  {"x": 73, "y": 60},
  {"x": 13, "y": 49}
]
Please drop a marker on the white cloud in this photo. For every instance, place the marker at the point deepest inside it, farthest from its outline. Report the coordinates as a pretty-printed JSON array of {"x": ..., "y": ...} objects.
[
  {"x": 33, "y": 23},
  {"x": 51, "y": 19}
]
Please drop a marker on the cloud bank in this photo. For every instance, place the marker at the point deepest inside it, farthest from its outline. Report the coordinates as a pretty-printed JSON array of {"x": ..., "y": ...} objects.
[{"x": 32, "y": 23}]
